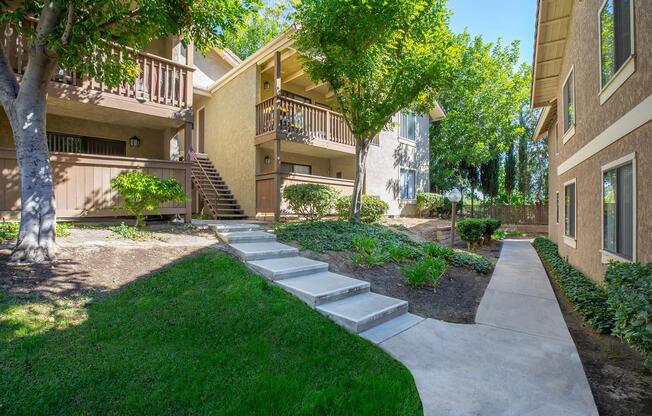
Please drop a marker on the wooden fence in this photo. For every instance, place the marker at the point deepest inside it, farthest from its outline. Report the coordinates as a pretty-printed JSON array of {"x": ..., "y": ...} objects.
[{"x": 512, "y": 214}]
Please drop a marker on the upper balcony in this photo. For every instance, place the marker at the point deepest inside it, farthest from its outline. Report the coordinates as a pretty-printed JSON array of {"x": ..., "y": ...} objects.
[{"x": 162, "y": 88}]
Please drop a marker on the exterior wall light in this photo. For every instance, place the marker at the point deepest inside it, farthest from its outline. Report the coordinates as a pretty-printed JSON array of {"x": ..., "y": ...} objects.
[
  {"x": 266, "y": 85},
  {"x": 134, "y": 142},
  {"x": 268, "y": 160}
]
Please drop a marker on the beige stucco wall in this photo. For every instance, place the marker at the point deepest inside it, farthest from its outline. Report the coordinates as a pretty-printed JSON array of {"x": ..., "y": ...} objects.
[
  {"x": 230, "y": 131},
  {"x": 321, "y": 166},
  {"x": 592, "y": 118},
  {"x": 385, "y": 162},
  {"x": 209, "y": 67}
]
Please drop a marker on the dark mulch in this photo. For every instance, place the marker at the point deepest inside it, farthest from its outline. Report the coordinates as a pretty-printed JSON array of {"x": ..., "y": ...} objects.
[
  {"x": 621, "y": 385},
  {"x": 456, "y": 299}
]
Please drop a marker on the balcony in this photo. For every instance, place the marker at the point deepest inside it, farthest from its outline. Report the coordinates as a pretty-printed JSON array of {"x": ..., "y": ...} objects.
[
  {"x": 161, "y": 82},
  {"x": 288, "y": 119}
]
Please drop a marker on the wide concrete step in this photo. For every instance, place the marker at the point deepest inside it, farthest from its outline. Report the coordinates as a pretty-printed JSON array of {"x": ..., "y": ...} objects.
[
  {"x": 319, "y": 288},
  {"x": 233, "y": 237},
  {"x": 362, "y": 312},
  {"x": 287, "y": 267},
  {"x": 263, "y": 250},
  {"x": 235, "y": 226},
  {"x": 390, "y": 328}
]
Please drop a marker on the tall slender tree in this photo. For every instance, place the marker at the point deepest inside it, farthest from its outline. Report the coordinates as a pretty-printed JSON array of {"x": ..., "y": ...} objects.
[
  {"x": 89, "y": 37},
  {"x": 489, "y": 177},
  {"x": 510, "y": 171}
]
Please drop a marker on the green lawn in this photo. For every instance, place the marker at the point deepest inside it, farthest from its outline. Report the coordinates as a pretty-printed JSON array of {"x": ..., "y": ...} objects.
[{"x": 205, "y": 336}]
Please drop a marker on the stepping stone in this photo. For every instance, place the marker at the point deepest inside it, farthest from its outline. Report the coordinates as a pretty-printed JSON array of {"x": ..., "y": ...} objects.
[
  {"x": 391, "y": 328},
  {"x": 362, "y": 312},
  {"x": 287, "y": 267},
  {"x": 246, "y": 236},
  {"x": 242, "y": 226},
  {"x": 319, "y": 288},
  {"x": 263, "y": 250}
]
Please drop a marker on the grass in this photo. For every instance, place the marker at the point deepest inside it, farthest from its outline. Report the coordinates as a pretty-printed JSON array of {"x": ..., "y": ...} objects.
[
  {"x": 205, "y": 336},
  {"x": 9, "y": 230}
]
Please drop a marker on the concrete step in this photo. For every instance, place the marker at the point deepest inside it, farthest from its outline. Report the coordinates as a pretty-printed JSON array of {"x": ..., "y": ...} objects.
[
  {"x": 319, "y": 288},
  {"x": 221, "y": 216},
  {"x": 362, "y": 312},
  {"x": 264, "y": 250},
  {"x": 393, "y": 327},
  {"x": 233, "y": 237},
  {"x": 287, "y": 267},
  {"x": 235, "y": 226}
]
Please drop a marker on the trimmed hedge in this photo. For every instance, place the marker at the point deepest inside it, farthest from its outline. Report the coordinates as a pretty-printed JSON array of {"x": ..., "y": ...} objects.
[
  {"x": 589, "y": 298},
  {"x": 310, "y": 200},
  {"x": 429, "y": 202},
  {"x": 372, "y": 209},
  {"x": 629, "y": 288},
  {"x": 474, "y": 230}
]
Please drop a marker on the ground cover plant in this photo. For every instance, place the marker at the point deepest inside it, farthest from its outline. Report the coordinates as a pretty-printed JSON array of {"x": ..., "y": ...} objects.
[
  {"x": 9, "y": 230},
  {"x": 425, "y": 271},
  {"x": 204, "y": 336}
]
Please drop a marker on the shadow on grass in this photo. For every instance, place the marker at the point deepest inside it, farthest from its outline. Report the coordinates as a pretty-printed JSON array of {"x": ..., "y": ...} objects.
[{"x": 205, "y": 336}]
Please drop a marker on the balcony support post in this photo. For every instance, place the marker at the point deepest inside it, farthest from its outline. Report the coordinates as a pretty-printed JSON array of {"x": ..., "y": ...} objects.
[{"x": 277, "y": 180}]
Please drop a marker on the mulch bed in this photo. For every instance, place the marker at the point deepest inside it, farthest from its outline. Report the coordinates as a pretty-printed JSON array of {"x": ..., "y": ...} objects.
[
  {"x": 620, "y": 383},
  {"x": 456, "y": 299}
]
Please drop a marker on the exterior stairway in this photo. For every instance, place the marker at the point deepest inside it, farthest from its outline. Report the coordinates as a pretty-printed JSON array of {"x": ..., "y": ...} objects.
[
  {"x": 216, "y": 195},
  {"x": 345, "y": 300}
]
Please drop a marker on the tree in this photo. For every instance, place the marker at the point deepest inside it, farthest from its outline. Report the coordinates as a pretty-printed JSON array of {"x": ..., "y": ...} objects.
[
  {"x": 510, "y": 171},
  {"x": 523, "y": 171},
  {"x": 379, "y": 57},
  {"x": 259, "y": 29},
  {"x": 84, "y": 36},
  {"x": 489, "y": 177}
]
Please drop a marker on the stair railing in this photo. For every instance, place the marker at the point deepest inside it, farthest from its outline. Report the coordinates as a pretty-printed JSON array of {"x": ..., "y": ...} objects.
[{"x": 192, "y": 155}]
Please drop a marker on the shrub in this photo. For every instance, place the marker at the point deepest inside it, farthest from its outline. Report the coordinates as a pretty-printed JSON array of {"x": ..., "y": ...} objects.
[
  {"x": 475, "y": 230},
  {"x": 399, "y": 252},
  {"x": 372, "y": 209},
  {"x": 437, "y": 250},
  {"x": 471, "y": 261},
  {"x": 366, "y": 252},
  {"x": 629, "y": 287},
  {"x": 588, "y": 297},
  {"x": 9, "y": 230},
  {"x": 126, "y": 232},
  {"x": 309, "y": 200},
  {"x": 424, "y": 271},
  {"x": 143, "y": 193},
  {"x": 428, "y": 202},
  {"x": 490, "y": 226}
]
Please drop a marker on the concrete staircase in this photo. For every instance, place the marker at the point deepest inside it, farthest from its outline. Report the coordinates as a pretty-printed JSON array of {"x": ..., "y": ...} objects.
[{"x": 345, "y": 300}]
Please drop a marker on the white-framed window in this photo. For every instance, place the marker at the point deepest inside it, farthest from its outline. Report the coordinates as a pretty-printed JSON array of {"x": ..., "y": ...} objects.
[
  {"x": 616, "y": 37},
  {"x": 619, "y": 207},
  {"x": 570, "y": 209},
  {"x": 557, "y": 207},
  {"x": 407, "y": 184},
  {"x": 568, "y": 104},
  {"x": 296, "y": 168},
  {"x": 407, "y": 126}
]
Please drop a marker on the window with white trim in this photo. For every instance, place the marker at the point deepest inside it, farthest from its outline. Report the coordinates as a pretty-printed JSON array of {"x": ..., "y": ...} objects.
[
  {"x": 407, "y": 184},
  {"x": 569, "y": 102},
  {"x": 407, "y": 126},
  {"x": 618, "y": 210},
  {"x": 570, "y": 208},
  {"x": 616, "y": 23}
]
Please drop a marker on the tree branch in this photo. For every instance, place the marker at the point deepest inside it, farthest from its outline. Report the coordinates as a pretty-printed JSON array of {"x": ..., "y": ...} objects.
[
  {"x": 68, "y": 29},
  {"x": 9, "y": 87}
]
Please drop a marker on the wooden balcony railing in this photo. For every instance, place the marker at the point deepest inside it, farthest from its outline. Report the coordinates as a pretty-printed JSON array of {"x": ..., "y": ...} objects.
[
  {"x": 301, "y": 121},
  {"x": 159, "y": 80}
]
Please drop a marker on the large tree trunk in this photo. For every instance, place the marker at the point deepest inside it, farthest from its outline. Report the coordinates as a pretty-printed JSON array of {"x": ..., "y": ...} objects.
[{"x": 361, "y": 151}]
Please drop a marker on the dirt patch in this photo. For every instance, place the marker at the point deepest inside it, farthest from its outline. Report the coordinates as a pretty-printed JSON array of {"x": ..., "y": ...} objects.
[
  {"x": 89, "y": 261},
  {"x": 621, "y": 385},
  {"x": 456, "y": 299},
  {"x": 421, "y": 229}
]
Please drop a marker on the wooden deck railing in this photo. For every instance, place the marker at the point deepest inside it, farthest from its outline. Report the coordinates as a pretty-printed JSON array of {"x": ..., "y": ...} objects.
[
  {"x": 82, "y": 183},
  {"x": 159, "y": 80},
  {"x": 301, "y": 121}
]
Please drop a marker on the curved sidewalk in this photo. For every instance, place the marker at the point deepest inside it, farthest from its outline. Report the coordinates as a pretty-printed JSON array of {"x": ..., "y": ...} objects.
[{"x": 518, "y": 359}]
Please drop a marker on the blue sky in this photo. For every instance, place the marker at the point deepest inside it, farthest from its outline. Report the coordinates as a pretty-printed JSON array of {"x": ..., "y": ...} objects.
[{"x": 509, "y": 19}]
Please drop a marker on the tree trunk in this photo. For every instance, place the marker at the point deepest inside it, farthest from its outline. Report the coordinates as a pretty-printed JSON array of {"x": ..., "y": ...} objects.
[
  {"x": 472, "y": 199},
  {"x": 361, "y": 151}
]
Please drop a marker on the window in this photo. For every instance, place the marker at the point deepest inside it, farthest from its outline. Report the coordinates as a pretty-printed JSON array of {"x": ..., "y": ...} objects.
[
  {"x": 557, "y": 216},
  {"x": 406, "y": 184},
  {"x": 408, "y": 126},
  {"x": 615, "y": 37},
  {"x": 618, "y": 210},
  {"x": 569, "y": 210},
  {"x": 296, "y": 168},
  {"x": 70, "y": 143},
  {"x": 569, "y": 101}
]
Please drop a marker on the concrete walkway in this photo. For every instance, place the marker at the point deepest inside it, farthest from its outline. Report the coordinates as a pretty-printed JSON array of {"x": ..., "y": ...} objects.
[{"x": 518, "y": 359}]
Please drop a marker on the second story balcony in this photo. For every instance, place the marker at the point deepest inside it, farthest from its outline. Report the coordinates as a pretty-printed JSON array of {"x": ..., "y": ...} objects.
[{"x": 163, "y": 85}]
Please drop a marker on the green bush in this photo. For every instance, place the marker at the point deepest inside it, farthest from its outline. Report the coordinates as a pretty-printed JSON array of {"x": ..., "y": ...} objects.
[
  {"x": 9, "y": 230},
  {"x": 629, "y": 287},
  {"x": 399, "y": 252},
  {"x": 427, "y": 270},
  {"x": 372, "y": 209},
  {"x": 588, "y": 297},
  {"x": 143, "y": 193},
  {"x": 366, "y": 252},
  {"x": 471, "y": 261},
  {"x": 428, "y": 202},
  {"x": 475, "y": 230},
  {"x": 437, "y": 250},
  {"x": 490, "y": 226},
  {"x": 309, "y": 200}
]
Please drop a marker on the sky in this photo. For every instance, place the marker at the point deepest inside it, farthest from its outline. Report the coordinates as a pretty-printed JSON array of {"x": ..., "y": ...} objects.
[{"x": 509, "y": 19}]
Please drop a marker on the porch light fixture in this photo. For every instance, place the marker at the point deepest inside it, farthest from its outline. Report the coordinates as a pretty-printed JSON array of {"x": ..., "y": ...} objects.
[
  {"x": 268, "y": 160},
  {"x": 266, "y": 85},
  {"x": 134, "y": 142}
]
